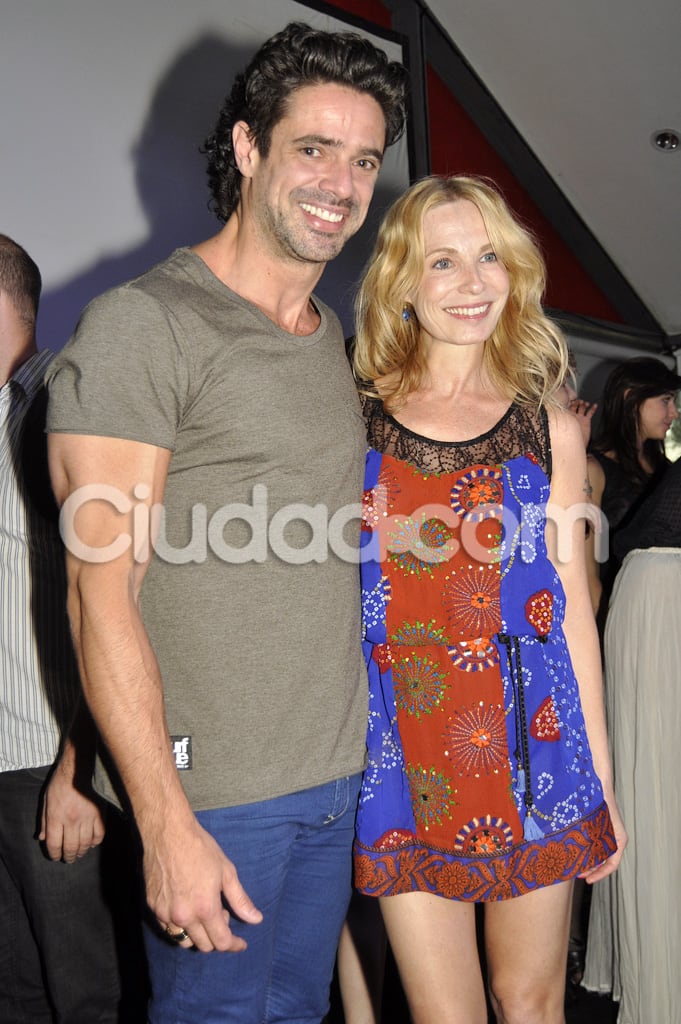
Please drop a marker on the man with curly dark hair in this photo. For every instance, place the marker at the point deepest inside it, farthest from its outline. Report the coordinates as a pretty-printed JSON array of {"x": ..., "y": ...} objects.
[
  {"x": 261, "y": 95},
  {"x": 212, "y": 396}
]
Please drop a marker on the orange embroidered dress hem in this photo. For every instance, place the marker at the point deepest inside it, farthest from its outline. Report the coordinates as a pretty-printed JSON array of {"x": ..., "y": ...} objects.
[{"x": 412, "y": 867}]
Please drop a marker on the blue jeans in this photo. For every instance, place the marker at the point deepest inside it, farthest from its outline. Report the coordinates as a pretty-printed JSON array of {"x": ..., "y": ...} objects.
[
  {"x": 59, "y": 954},
  {"x": 293, "y": 857}
]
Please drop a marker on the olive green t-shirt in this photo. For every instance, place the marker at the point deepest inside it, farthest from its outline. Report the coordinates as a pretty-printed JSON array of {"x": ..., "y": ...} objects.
[{"x": 251, "y": 601}]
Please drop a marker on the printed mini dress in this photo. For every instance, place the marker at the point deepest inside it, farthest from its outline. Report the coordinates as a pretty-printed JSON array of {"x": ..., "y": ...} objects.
[{"x": 480, "y": 784}]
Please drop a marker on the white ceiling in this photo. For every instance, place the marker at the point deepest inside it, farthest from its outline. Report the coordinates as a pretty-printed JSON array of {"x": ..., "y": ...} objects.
[{"x": 586, "y": 83}]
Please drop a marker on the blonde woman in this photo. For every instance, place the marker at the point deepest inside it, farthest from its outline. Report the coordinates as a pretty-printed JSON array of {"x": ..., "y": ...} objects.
[{"x": 489, "y": 778}]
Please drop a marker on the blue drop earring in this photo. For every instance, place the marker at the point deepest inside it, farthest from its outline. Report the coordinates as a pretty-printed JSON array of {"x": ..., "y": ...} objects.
[{"x": 406, "y": 315}]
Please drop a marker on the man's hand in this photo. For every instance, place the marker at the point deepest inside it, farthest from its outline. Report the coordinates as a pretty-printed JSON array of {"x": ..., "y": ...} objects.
[
  {"x": 189, "y": 880},
  {"x": 72, "y": 820}
]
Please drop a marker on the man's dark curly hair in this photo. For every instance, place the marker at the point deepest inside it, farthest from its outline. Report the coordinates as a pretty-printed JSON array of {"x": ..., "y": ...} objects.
[{"x": 298, "y": 55}]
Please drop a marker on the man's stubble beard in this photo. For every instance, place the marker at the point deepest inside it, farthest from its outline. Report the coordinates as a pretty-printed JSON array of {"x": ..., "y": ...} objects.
[{"x": 304, "y": 245}]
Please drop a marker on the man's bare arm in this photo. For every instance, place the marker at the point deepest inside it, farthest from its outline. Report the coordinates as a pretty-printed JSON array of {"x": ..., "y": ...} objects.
[{"x": 185, "y": 871}]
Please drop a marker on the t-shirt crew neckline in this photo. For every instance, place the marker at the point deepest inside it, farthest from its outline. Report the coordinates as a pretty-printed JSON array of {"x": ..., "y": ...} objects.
[{"x": 207, "y": 278}]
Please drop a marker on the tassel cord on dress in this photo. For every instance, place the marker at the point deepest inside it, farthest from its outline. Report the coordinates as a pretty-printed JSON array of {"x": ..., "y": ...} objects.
[{"x": 522, "y": 753}]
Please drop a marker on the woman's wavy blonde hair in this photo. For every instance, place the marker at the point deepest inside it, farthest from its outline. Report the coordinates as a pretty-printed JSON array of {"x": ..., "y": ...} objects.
[{"x": 526, "y": 357}]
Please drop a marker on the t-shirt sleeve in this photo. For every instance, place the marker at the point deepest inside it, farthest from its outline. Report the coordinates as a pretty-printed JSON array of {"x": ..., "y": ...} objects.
[{"x": 124, "y": 373}]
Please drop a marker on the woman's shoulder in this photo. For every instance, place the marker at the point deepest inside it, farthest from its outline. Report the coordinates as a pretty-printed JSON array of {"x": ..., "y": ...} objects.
[
  {"x": 567, "y": 443},
  {"x": 525, "y": 431},
  {"x": 606, "y": 473},
  {"x": 606, "y": 460}
]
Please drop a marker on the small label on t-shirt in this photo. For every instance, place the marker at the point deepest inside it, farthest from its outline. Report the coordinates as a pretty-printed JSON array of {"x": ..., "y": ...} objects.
[{"x": 182, "y": 750}]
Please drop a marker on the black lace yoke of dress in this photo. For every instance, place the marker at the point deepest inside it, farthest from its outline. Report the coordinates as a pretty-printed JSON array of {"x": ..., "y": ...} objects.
[{"x": 520, "y": 431}]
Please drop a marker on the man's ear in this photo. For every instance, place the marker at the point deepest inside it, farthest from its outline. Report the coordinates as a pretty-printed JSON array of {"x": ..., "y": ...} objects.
[{"x": 245, "y": 149}]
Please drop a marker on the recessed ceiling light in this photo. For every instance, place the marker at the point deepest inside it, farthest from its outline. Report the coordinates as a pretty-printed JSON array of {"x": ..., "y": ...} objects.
[{"x": 666, "y": 140}]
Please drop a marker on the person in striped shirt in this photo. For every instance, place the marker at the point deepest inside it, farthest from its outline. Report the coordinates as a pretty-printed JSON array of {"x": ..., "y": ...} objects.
[{"x": 58, "y": 956}]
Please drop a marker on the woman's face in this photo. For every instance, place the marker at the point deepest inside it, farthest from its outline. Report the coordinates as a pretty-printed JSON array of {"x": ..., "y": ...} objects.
[
  {"x": 464, "y": 287},
  {"x": 655, "y": 416}
]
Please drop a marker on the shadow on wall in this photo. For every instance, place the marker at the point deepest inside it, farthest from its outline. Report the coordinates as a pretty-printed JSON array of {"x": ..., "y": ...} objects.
[
  {"x": 172, "y": 185},
  {"x": 170, "y": 178}
]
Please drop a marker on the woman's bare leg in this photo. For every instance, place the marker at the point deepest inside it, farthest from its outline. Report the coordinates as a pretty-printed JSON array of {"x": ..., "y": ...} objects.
[
  {"x": 526, "y": 941},
  {"x": 361, "y": 961},
  {"x": 434, "y": 943}
]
